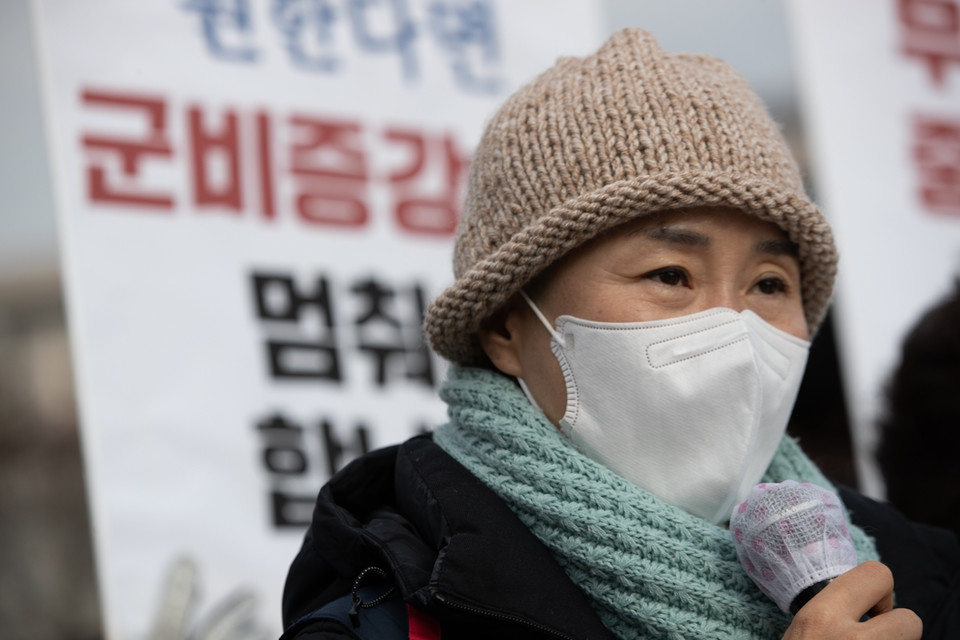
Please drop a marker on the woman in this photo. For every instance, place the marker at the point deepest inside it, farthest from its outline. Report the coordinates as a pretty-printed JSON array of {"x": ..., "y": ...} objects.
[{"x": 638, "y": 274}]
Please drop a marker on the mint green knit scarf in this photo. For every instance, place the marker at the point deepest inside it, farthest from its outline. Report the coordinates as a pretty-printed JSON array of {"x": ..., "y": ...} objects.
[{"x": 650, "y": 570}]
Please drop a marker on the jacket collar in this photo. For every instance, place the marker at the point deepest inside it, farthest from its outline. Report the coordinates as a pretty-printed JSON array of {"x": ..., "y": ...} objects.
[{"x": 449, "y": 541}]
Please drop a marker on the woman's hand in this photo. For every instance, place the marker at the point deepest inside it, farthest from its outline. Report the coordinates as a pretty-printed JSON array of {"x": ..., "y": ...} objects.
[{"x": 836, "y": 612}]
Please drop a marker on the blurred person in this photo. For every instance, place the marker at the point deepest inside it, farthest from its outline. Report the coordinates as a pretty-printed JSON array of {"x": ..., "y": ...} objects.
[
  {"x": 638, "y": 274},
  {"x": 920, "y": 430}
]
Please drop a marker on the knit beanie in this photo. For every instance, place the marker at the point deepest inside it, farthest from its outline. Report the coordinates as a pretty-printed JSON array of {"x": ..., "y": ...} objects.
[{"x": 596, "y": 142}]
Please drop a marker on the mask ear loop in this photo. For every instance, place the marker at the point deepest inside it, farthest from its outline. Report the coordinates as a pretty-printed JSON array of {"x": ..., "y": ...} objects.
[
  {"x": 541, "y": 317},
  {"x": 553, "y": 332}
]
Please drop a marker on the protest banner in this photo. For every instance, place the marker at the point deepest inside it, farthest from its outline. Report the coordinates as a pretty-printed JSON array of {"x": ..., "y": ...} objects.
[
  {"x": 256, "y": 202},
  {"x": 881, "y": 89}
]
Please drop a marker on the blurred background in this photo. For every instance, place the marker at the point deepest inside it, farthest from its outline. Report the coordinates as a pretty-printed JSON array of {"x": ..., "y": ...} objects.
[{"x": 47, "y": 583}]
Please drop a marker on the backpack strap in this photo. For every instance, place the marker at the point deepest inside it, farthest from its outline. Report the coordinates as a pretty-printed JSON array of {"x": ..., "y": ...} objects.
[
  {"x": 387, "y": 620},
  {"x": 372, "y": 612}
]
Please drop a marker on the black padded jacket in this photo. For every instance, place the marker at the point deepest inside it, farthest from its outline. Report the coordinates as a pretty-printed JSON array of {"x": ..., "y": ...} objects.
[{"x": 416, "y": 518}]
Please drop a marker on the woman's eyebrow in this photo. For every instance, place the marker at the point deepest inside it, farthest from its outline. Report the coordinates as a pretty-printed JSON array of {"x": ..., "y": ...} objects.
[
  {"x": 674, "y": 235},
  {"x": 778, "y": 247}
]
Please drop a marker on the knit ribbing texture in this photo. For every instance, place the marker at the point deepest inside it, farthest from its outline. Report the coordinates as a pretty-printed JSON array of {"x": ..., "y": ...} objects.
[
  {"x": 649, "y": 569},
  {"x": 596, "y": 142}
]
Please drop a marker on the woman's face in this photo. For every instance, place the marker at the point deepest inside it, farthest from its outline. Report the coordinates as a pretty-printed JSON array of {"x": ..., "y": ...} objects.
[{"x": 663, "y": 266}]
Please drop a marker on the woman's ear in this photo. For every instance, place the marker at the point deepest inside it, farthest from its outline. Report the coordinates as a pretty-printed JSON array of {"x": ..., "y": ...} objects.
[{"x": 500, "y": 336}]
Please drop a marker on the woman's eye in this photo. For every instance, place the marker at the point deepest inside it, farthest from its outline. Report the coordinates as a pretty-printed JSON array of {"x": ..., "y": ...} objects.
[
  {"x": 770, "y": 286},
  {"x": 671, "y": 276}
]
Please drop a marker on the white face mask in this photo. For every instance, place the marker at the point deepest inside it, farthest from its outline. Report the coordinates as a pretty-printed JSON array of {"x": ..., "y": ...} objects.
[{"x": 692, "y": 409}]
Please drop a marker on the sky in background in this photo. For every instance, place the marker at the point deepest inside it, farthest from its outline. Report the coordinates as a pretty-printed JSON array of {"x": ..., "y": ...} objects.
[{"x": 751, "y": 35}]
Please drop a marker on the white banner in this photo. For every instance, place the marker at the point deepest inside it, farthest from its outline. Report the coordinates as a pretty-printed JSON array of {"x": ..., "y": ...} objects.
[
  {"x": 881, "y": 86},
  {"x": 256, "y": 202}
]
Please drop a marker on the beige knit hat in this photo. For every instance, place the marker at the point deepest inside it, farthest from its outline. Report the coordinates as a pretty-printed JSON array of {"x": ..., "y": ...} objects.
[{"x": 596, "y": 142}]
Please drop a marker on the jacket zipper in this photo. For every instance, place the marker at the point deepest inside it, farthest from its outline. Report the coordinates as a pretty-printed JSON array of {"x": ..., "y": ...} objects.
[{"x": 497, "y": 615}]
